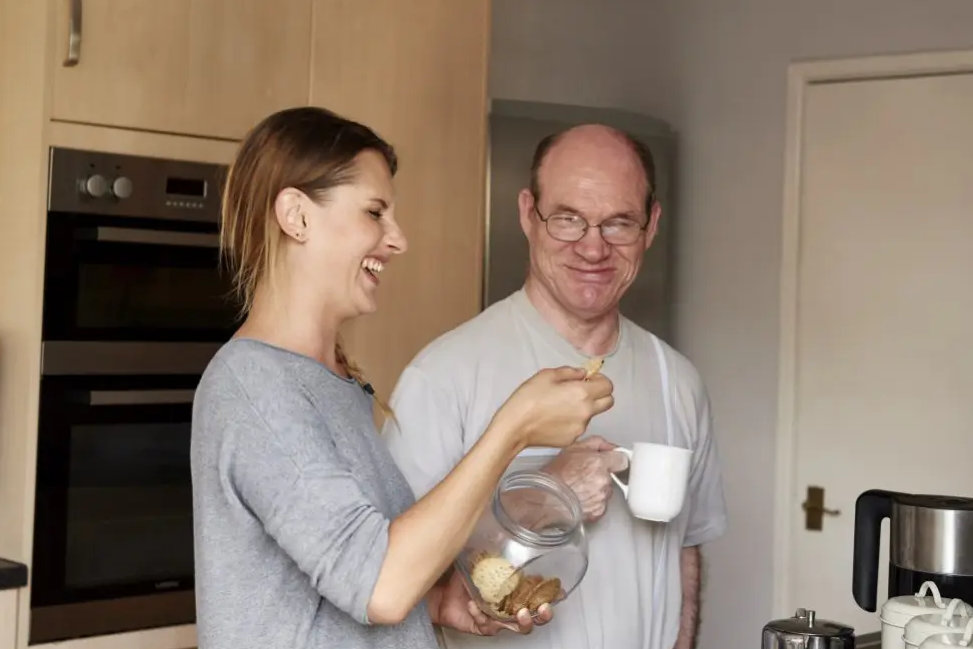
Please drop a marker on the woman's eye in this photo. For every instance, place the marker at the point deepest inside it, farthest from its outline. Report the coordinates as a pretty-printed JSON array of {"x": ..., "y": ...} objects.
[{"x": 376, "y": 213}]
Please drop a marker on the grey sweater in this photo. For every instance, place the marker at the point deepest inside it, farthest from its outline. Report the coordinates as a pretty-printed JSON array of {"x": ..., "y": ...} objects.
[{"x": 293, "y": 492}]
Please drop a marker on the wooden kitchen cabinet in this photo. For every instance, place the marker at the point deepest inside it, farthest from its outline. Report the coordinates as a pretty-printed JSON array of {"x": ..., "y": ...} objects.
[
  {"x": 416, "y": 72},
  {"x": 201, "y": 67},
  {"x": 8, "y": 619},
  {"x": 185, "y": 79}
]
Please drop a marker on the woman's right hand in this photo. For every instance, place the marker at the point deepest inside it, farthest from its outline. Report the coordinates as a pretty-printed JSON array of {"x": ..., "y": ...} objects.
[{"x": 553, "y": 407}]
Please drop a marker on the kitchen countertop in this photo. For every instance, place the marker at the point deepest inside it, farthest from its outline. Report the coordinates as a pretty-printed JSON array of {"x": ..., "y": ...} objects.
[{"x": 12, "y": 574}]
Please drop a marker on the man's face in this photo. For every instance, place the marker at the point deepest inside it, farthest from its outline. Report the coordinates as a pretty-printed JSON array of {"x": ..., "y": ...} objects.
[{"x": 598, "y": 179}]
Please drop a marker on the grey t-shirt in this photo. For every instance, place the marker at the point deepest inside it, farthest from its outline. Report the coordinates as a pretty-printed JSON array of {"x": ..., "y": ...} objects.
[
  {"x": 293, "y": 491},
  {"x": 445, "y": 398}
]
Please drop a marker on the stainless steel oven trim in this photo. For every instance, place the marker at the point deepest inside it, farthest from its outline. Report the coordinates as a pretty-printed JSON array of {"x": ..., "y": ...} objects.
[
  {"x": 157, "y": 237},
  {"x": 98, "y": 617},
  {"x": 139, "y": 397},
  {"x": 131, "y": 186},
  {"x": 60, "y": 358}
]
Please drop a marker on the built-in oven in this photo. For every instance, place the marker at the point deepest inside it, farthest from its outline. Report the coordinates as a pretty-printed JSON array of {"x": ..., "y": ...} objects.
[
  {"x": 113, "y": 541},
  {"x": 135, "y": 305},
  {"x": 132, "y": 262}
]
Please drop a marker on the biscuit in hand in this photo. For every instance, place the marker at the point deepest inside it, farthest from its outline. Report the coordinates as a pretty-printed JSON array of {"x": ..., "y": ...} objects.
[{"x": 592, "y": 366}]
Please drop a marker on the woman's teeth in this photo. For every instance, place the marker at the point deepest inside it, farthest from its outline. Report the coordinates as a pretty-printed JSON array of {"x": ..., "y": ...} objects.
[{"x": 372, "y": 265}]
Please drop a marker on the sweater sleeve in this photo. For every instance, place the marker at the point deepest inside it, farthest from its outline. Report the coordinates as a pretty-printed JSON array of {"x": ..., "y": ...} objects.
[{"x": 287, "y": 472}]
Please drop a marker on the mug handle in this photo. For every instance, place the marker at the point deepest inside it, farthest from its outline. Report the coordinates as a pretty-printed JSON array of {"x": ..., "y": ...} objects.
[{"x": 622, "y": 485}]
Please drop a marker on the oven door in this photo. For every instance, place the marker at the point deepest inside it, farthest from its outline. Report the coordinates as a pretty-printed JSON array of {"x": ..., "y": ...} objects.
[
  {"x": 113, "y": 532},
  {"x": 123, "y": 279}
]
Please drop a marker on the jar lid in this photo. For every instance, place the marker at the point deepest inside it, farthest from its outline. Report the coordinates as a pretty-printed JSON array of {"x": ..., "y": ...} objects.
[
  {"x": 952, "y": 639},
  {"x": 940, "y": 640},
  {"x": 953, "y": 618},
  {"x": 806, "y": 623},
  {"x": 897, "y": 611}
]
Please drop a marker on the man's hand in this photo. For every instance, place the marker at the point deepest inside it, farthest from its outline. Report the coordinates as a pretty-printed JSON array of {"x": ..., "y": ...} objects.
[
  {"x": 451, "y": 606},
  {"x": 586, "y": 467}
]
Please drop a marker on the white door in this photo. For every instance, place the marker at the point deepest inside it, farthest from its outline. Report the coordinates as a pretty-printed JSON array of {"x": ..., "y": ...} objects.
[{"x": 883, "y": 373}]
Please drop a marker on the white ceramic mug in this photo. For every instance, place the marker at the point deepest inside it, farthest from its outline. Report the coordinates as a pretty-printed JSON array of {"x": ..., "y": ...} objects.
[{"x": 657, "y": 478}]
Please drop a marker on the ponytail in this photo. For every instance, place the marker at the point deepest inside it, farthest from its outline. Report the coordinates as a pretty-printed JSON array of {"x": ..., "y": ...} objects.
[{"x": 356, "y": 373}]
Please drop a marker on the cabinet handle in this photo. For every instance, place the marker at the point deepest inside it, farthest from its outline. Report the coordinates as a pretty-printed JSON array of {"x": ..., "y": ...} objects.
[
  {"x": 157, "y": 237},
  {"x": 139, "y": 397},
  {"x": 74, "y": 34}
]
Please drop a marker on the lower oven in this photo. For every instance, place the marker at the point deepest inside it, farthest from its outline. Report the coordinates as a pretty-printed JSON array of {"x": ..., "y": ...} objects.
[{"x": 113, "y": 544}]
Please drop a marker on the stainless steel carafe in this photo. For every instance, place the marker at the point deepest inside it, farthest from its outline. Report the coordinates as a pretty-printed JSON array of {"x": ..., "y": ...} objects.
[
  {"x": 930, "y": 539},
  {"x": 805, "y": 631}
]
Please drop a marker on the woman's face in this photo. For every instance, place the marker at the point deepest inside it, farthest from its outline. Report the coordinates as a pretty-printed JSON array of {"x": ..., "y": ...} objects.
[{"x": 346, "y": 240}]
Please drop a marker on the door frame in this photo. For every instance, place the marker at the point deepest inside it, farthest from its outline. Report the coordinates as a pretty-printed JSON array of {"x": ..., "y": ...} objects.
[{"x": 800, "y": 76}]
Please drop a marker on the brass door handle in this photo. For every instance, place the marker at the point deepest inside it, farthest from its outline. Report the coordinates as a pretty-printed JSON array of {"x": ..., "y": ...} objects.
[
  {"x": 818, "y": 508},
  {"x": 814, "y": 509}
]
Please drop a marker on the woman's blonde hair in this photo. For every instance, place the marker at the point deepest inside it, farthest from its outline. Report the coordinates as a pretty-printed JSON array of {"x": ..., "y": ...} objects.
[{"x": 307, "y": 148}]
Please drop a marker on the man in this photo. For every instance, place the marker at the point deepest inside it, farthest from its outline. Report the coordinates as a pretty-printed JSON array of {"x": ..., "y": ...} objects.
[{"x": 589, "y": 216}]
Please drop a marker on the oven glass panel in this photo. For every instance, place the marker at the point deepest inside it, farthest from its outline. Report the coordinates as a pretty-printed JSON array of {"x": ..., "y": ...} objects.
[
  {"x": 129, "y": 505},
  {"x": 112, "y": 296},
  {"x": 134, "y": 290}
]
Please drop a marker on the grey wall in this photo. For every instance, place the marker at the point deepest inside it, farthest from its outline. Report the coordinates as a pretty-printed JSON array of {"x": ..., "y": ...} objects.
[{"x": 716, "y": 71}]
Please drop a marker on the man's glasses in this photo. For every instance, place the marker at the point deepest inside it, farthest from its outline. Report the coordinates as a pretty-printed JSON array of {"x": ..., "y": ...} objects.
[{"x": 617, "y": 231}]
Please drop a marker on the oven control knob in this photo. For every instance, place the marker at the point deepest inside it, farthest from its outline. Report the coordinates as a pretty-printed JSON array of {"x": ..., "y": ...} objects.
[
  {"x": 122, "y": 187},
  {"x": 95, "y": 186}
]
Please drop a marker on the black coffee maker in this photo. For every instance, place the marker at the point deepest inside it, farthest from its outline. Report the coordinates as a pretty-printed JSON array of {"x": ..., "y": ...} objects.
[{"x": 931, "y": 539}]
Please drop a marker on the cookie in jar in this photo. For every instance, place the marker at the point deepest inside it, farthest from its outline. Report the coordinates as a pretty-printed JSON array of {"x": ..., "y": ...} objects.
[{"x": 528, "y": 549}]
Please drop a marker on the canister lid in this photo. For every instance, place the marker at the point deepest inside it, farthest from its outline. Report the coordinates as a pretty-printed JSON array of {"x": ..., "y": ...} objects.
[
  {"x": 897, "y": 611},
  {"x": 954, "y": 618},
  {"x": 806, "y": 623},
  {"x": 952, "y": 639},
  {"x": 940, "y": 640}
]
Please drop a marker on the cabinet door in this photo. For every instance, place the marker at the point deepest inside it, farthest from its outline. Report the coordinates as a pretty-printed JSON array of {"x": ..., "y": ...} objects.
[
  {"x": 416, "y": 73},
  {"x": 201, "y": 67}
]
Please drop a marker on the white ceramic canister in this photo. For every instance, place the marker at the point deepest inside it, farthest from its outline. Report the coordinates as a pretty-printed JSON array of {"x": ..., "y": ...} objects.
[
  {"x": 952, "y": 619},
  {"x": 897, "y": 612},
  {"x": 950, "y": 640}
]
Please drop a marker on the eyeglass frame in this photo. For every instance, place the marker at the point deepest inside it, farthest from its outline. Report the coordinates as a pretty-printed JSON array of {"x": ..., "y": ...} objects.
[{"x": 588, "y": 226}]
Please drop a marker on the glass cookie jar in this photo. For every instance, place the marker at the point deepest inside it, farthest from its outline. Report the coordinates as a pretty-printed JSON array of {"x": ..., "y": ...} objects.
[{"x": 528, "y": 548}]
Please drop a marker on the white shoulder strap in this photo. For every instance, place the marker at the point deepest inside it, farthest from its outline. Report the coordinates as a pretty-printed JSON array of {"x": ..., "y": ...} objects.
[{"x": 664, "y": 377}]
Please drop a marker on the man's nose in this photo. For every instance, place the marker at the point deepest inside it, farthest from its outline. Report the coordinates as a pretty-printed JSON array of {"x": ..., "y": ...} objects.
[{"x": 592, "y": 246}]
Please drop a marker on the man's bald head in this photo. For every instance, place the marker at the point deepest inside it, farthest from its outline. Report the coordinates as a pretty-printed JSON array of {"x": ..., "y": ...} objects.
[{"x": 593, "y": 142}]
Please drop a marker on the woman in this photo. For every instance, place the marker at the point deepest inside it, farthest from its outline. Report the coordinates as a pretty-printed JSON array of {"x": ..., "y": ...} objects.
[{"x": 306, "y": 533}]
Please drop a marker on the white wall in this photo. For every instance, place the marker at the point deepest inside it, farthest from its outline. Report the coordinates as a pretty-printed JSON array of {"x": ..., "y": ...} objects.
[{"x": 716, "y": 70}]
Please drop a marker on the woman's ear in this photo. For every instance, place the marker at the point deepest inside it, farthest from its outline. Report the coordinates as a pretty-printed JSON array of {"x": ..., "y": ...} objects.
[{"x": 289, "y": 210}]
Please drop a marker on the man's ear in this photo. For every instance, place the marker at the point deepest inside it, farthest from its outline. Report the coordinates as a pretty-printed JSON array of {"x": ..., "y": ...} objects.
[
  {"x": 525, "y": 204},
  {"x": 289, "y": 210},
  {"x": 654, "y": 215}
]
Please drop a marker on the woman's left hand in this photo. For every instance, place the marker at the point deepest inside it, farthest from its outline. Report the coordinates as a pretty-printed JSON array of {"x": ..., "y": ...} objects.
[{"x": 451, "y": 606}]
